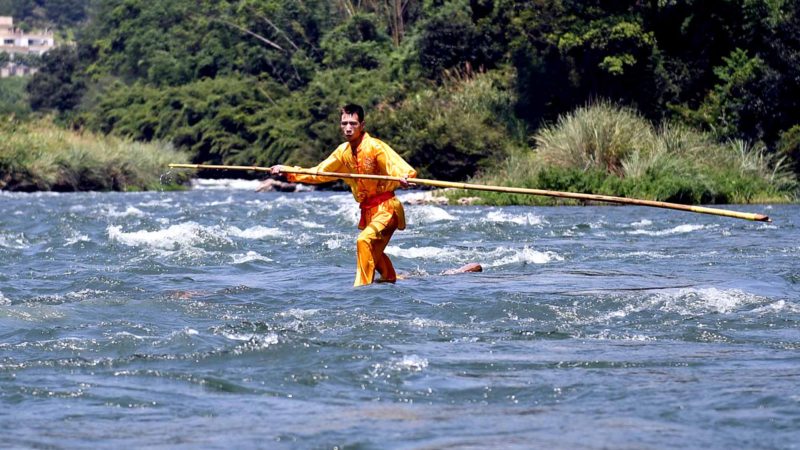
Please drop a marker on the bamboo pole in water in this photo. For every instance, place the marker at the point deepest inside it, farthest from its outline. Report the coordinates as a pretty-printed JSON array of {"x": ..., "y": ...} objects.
[{"x": 510, "y": 190}]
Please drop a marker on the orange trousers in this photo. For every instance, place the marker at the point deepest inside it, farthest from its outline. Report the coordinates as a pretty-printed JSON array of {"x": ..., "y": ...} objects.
[{"x": 369, "y": 250}]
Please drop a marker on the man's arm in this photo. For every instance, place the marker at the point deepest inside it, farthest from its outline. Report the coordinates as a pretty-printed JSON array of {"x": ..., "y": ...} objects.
[
  {"x": 331, "y": 164},
  {"x": 390, "y": 163}
]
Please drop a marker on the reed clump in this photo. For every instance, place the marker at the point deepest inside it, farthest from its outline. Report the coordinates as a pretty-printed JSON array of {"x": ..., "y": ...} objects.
[
  {"x": 40, "y": 156},
  {"x": 612, "y": 150}
]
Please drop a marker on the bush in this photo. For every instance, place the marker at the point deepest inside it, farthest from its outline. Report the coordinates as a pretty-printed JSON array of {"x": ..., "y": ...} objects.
[
  {"x": 56, "y": 85},
  {"x": 789, "y": 148},
  {"x": 212, "y": 119},
  {"x": 13, "y": 97},
  {"x": 455, "y": 131},
  {"x": 41, "y": 156},
  {"x": 609, "y": 150},
  {"x": 599, "y": 136}
]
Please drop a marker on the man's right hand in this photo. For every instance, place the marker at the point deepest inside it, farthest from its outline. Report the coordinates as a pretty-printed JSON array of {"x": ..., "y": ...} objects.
[{"x": 276, "y": 169}]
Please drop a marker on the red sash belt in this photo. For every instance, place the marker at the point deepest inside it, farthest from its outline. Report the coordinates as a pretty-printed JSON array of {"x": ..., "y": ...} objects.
[{"x": 370, "y": 203}]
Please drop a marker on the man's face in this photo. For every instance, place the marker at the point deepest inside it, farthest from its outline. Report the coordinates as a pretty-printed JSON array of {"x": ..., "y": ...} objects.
[{"x": 352, "y": 127}]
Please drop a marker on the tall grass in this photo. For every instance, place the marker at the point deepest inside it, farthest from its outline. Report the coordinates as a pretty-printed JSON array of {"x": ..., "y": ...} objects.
[
  {"x": 39, "y": 155},
  {"x": 612, "y": 150},
  {"x": 601, "y": 137}
]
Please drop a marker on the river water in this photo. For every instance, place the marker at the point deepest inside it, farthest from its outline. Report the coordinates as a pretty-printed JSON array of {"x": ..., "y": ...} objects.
[{"x": 225, "y": 318}]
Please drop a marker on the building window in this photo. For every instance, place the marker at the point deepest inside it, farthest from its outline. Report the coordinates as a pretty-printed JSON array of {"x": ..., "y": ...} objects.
[{"x": 8, "y": 42}]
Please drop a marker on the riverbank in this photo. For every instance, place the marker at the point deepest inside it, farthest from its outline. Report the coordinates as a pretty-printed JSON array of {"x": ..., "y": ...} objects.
[
  {"x": 611, "y": 150},
  {"x": 41, "y": 156},
  {"x": 599, "y": 149}
]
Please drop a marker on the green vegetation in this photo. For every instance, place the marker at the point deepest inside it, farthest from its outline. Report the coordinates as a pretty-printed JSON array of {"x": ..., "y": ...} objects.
[
  {"x": 453, "y": 131},
  {"x": 690, "y": 101},
  {"x": 39, "y": 155},
  {"x": 13, "y": 97},
  {"x": 610, "y": 150},
  {"x": 44, "y": 13}
]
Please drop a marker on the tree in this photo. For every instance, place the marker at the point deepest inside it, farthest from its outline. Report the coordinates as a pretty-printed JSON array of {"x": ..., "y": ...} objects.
[
  {"x": 57, "y": 85},
  {"x": 356, "y": 43}
]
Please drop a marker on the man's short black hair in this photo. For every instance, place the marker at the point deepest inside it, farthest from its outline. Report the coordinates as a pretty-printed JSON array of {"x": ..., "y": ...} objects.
[{"x": 352, "y": 108}]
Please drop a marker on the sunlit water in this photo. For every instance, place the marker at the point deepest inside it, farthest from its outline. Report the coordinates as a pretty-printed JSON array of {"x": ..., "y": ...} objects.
[{"x": 225, "y": 318}]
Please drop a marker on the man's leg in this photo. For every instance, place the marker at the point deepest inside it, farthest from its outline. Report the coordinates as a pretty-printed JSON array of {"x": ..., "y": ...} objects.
[
  {"x": 382, "y": 262},
  {"x": 369, "y": 253}
]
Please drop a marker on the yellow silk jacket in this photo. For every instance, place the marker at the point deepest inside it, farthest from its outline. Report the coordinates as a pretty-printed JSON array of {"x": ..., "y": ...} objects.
[{"x": 373, "y": 157}]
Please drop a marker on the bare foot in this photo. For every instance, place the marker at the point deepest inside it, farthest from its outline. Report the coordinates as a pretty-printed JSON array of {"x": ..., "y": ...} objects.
[{"x": 471, "y": 267}]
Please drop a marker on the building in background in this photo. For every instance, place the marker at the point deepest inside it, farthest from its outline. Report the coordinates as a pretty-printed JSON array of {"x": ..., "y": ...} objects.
[{"x": 19, "y": 45}]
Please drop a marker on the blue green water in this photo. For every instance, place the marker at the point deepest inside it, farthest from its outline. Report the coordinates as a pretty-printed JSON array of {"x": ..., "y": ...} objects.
[{"x": 225, "y": 318}]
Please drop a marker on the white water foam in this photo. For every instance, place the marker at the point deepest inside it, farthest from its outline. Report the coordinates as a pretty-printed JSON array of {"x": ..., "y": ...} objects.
[
  {"x": 78, "y": 296},
  {"x": 609, "y": 335},
  {"x": 680, "y": 229},
  {"x": 304, "y": 223},
  {"x": 424, "y": 214},
  {"x": 338, "y": 241},
  {"x": 76, "y": 237},
  {"x": 408, "y": 363},
  {"x": 425, "y": 323},
  {"x": 112, "y": 211},
  {"x": 3, "y": 300},
  {"x": 420, "y": 252},
  {"x": 16, "y": 241},
  {"x": 420, "y": 197},
  {"x": 252, "y": 342},
  {"x": 412, "y": 363},
  {"x": 238, "y": 336},
  {"x": 704, "y": 300},
  {"x": 498, "y": 257},
  {"x": 188, "y": 234},
  {"x": 527, "y": 256},
  {"x": 202, "y": 183},
  {"x": 249, "y": 257},
  {"x": 343, "y": 206},
  {"x": 685, "y": 302},
  {"x": 128, "y": 334},
  {"x": 256, "y": 232},
  {"x": 640, "y": 254},
  {"x": 228, "y": 201},
  {"x": 778, "y": 307},
  {"x": 298, "y": 313},
  {"x": 518, "y": 219},
  {"x": 159, "y": 202}
]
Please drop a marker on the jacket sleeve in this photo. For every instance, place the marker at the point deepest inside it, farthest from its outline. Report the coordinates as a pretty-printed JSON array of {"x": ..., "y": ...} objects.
[
  {"x": 392, "y": 164},
  {"x": 332, "y": 163}
]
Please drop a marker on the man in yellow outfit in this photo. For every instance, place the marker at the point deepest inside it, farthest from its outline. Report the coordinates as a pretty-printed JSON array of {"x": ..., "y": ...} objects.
[{"x": 381, "y": 212}]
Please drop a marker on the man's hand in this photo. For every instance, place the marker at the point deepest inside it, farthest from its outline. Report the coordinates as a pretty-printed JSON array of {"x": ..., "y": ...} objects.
[
  {"x": 404, "y": 182},
  {"x": 276, "y": 169}
]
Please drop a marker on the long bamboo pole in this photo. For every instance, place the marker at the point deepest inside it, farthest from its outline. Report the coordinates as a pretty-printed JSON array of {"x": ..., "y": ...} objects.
[{"x": 510, "y": 190}]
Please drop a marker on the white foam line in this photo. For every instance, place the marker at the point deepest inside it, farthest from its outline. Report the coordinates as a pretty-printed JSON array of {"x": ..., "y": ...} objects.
[
  {"x": 208, "y": 184},
  {"x": 680, "y": 229}
]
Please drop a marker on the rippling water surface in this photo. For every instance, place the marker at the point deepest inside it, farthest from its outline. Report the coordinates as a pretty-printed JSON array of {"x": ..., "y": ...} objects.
[{"x": 224, "y": 318}]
